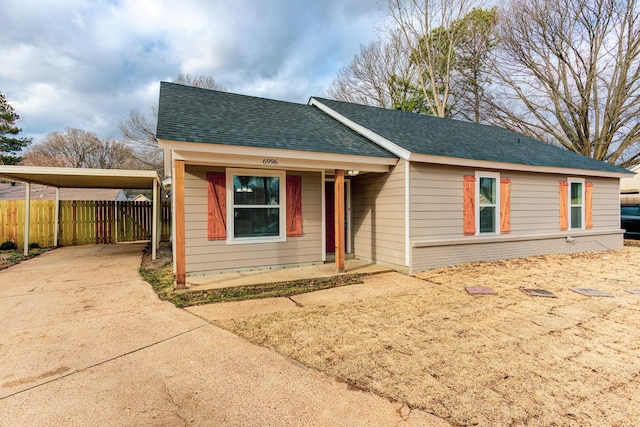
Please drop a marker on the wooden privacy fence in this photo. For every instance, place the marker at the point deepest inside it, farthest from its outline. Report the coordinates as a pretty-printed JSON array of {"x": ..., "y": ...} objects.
[{"x": 82, "y": 222}]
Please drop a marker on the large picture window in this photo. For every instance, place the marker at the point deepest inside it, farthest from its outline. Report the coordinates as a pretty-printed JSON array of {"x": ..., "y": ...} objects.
[{"x": 256, "y": 205}]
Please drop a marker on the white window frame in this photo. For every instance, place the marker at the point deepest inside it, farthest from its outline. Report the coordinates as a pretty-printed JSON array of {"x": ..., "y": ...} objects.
[
  {"x": 496, "y": 226},
  {"x": 282, "y": 237},
  {"x": 569, "y": 205}
]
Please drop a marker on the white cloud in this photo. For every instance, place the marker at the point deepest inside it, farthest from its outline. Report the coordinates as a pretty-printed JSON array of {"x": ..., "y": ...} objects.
[{"x": 86, "y": 64}]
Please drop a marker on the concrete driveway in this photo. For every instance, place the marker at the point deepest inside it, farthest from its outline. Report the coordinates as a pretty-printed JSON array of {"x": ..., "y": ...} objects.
[{"x": 84, "y": 341}]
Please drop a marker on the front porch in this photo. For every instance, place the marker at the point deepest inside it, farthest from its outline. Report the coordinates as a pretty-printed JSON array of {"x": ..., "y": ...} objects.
[{"x": 273, "y": 275}]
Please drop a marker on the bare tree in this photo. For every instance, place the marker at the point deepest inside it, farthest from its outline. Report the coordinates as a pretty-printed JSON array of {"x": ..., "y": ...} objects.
[
  {"x": 77, "y": 148},
  {"x": 139, "y": 129},
  {"x": 203, "y": 81},
  {"x": 380, "y": 74},
  {"x": 570, "y": 74},
  {"x": 426, "y": 27}
]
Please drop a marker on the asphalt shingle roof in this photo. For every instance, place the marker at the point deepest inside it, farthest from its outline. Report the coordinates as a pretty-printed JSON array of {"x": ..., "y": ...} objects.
[
  {"x": 200, "y": 115},
  {"x": 454, "y": 138}
]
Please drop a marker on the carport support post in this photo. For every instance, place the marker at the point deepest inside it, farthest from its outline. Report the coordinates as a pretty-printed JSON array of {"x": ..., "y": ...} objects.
[
  {"x": 339, "y": 219},
  {"x": 27, "y": 217},
  {"x": 154, "y": 221},
  {"x": 178, "y": 194},
  {"x": 56, "y": 221}
]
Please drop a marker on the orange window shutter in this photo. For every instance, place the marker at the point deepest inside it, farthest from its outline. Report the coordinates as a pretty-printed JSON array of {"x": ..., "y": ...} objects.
[
  {"x": 505, "y": 205},
  {"x": 217, "y": 206},
  {"x": 588, "y": 205},
  {"x": 564, "y": 206},
  {"x": 294, "y": 206},
  {"x": 469, "y": 194}
]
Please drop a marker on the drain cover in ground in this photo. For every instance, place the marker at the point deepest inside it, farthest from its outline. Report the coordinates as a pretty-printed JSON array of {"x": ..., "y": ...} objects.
[
  {"x": 633, "y": 291},
  {"x": 538, "y": 293},
  {"x": 591, "y": 292},
  {"x": 480, "y": 290}
]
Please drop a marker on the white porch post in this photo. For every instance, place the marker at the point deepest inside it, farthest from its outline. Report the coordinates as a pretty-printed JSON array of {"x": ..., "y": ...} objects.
[
  {"x": 154, "y": 220},
  {"x": 27, "y": 217}
]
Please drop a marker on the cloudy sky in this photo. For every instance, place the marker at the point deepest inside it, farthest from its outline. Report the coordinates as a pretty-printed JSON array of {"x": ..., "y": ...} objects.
[{"x": 87, "y": 63}]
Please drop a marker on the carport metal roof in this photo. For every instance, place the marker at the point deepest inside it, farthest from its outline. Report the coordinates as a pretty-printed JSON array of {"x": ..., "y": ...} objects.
[
  {"x": 84, "y": 178},
  {"x": 80, "y": 177}
]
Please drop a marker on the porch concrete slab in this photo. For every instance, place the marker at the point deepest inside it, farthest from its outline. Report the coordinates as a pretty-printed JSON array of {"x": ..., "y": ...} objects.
[
  {"x": 236, "y": 309},
  {"x": 262, "y": 276},
  {"x": 389, "y": 283},
  {"x": 377, "y": 285}
]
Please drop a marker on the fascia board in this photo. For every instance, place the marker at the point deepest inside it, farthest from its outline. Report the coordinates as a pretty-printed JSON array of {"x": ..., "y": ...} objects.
[
  {"x": 485, "y": 164},
  {"x": 199, "y": 149},
  {"x": 257, "y": 161}
]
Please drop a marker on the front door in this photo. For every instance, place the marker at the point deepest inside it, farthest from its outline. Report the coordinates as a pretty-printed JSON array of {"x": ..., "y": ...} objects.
[
  {"x": 330, "y": 229},
  {"x": 330, "y": 202}
]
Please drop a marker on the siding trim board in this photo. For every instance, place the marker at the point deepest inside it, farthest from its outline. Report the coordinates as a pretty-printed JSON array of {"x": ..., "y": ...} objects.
[
  {"x": 522, "y": 238},
  {"x": 442, "y": 255}
]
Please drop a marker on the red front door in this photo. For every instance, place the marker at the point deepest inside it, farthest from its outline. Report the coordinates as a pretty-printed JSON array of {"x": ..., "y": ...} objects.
[{"x": 329, "y": 196}]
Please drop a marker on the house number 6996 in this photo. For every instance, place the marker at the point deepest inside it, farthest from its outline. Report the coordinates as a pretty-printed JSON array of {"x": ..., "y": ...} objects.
[{"x": 270, "y": 161}]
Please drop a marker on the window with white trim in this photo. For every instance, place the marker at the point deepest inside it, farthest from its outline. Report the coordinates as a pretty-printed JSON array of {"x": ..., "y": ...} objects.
[
  {"x": 576, "y": 203},
  {"x": 488, "y": 203},
  {"x": 256, "y": 205}
]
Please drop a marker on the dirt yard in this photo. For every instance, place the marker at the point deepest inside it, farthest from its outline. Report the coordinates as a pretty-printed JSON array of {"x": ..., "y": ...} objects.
[{"x": 505, "y": 359}]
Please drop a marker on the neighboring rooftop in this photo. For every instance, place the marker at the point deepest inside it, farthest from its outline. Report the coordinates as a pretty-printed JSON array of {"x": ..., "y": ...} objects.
[
  {"x": 436, "y": 136},
  {"x": 9, "y": 191},
  {"x": 193, "y": 114}
]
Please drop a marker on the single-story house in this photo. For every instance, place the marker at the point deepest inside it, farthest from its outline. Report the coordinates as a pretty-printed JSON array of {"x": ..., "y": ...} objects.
[
  {"x": 630, "y": 188},
  {"x": 15, "y": 191},
  {"x": 263, "y": 183}
]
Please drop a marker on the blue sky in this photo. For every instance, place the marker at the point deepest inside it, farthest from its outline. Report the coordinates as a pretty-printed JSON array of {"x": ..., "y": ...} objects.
[{"x": 87, "y": 63}]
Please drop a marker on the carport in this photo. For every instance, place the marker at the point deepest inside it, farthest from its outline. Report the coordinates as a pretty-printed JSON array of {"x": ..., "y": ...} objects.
[{"x": 83, "y": 178}]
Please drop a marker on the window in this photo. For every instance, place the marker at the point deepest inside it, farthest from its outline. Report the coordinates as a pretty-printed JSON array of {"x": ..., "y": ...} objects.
[
  {"x": 486, "y": 204},
  {"x": 256, "y": 205},
  {"x": 488, "y": 196},
  {"x": 576, "y": 203}
]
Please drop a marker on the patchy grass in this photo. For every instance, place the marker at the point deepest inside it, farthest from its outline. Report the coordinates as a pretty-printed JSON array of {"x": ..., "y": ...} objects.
[
  {"x": 13, "y": 256},
  {"x": 162, "y": 282},
  {"x": 269, "y": 290},
  {"x": 159, "y": 274},
  {"x": 508, "y": 359}
]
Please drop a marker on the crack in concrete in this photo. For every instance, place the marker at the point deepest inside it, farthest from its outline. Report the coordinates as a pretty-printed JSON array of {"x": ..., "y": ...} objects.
[
  {"x": 295, "y": 302},
  {"x": 174, "y": 403},
  {"x": 75, "y": 371}
]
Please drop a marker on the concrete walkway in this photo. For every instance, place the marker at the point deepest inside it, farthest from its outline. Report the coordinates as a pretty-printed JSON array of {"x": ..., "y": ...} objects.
[{"x": 85, "y": 341}]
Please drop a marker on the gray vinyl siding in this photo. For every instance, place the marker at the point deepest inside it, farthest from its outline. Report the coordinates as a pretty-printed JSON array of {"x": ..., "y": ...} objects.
[
  {"x": 437, "y": 237},
  {"x": 435, "y": 201},
  {"x": 203, "y": 255},
  {"x": 378, "y": 216}
]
